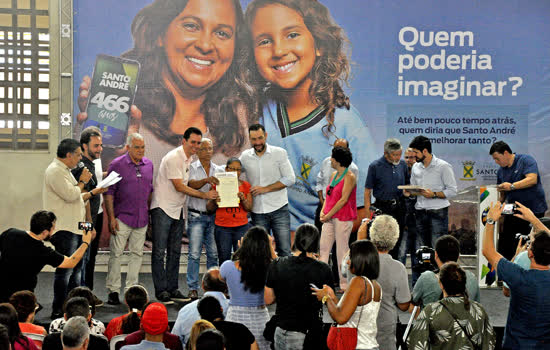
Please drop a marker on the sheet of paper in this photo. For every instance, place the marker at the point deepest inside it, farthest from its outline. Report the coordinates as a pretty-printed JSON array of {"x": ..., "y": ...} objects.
[
  {"x": 228, "y": 188},
  {"x": 112, "y": 179}
]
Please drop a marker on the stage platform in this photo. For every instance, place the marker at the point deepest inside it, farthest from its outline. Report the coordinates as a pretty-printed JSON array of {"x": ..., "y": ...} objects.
[{"x": 493, "y": 301}]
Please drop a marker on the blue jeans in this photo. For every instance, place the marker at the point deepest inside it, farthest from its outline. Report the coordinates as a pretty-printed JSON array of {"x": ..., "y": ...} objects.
[
  {"x": 278, "y": 223},
  {"x": 200, "y": 231},
  {"x": 227, "y": 238},
  {"x": 288, "y": 340},
  {"x": 167, "y": 234},
  {"x": 432, "y": 224},
  {"x": 66, "y": 243}
]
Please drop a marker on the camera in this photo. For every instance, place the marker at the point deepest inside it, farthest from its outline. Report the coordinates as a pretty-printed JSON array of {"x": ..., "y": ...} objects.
[
  {"x": 524, "y": 238},
  {"x": 509, "y": 209},
  {"x": 86, "y": 226},
  {"x": 426, "y": 259}
]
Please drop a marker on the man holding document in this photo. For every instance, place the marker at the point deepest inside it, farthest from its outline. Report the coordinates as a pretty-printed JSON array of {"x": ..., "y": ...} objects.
[
  {"x": 433, "y": 182},
  {"x": 233, "y": 205},
  {"x": 127, "y": 205},
  {"x": 200, "y": 221}
]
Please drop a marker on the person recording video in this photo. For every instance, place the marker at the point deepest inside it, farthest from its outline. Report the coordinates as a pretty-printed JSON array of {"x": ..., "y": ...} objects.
[
  {"x": 427, "y": 290},
  {"x": 23, "y": 254}
]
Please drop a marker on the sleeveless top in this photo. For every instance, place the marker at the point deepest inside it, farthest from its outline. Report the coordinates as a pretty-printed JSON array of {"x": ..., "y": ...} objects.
[
  {"x": 349, "y": 211},
  {"x": 366, "y": 315}
]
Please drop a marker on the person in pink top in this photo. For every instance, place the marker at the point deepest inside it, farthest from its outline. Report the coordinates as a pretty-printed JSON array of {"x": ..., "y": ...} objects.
[{"x": 339, "y": 209}]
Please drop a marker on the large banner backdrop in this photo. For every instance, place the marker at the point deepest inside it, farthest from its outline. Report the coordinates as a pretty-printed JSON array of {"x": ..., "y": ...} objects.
[{"x": 464, "y": 73}]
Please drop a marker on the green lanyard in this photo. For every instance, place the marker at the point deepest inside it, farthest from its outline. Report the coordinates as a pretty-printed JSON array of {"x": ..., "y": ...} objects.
[{"x": 336, "y": 181}]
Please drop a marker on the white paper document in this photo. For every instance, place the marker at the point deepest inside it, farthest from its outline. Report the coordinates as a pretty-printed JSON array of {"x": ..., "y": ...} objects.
[
  {"x": 228, "y": 188},
  {"x": 112, "y": 179}
]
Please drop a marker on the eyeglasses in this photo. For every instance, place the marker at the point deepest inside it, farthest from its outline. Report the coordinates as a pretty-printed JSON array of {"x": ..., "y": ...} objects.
[
  {"x": 234, "y": 169},
  {"x": 138, "y": 173},
  {"x": 329, "y": 190}
]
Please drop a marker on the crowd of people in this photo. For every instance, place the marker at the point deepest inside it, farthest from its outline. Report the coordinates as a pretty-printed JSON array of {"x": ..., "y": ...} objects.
[{"x": 253, "y": 260}]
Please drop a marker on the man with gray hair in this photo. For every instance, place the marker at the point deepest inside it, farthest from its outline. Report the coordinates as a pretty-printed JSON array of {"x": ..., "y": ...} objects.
[
  {"x": 127, "y": 205},
  {"x": 76, "y": 334},
  {"x": 200, "y": 227},
  {"x": 383, "y": 177}
]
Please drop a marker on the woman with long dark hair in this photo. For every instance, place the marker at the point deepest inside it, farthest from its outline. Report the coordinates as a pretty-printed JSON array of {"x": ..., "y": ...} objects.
[
  {"x": 189, "y": 52},
  {"x": 289, "y": 280},
  {"x": 455, "y": 322},
  {"x": 8, "y": 318},
  {"x": 245, "y": 277},
  {"x": 359, "y": 306}
]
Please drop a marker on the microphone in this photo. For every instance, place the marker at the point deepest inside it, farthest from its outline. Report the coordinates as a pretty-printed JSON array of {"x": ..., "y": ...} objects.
[{"x": 81, "y": 165}]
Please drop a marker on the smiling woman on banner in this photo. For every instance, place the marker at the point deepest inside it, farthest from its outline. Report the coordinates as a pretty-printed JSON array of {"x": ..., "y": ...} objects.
[{"x": 188, "y": 52}]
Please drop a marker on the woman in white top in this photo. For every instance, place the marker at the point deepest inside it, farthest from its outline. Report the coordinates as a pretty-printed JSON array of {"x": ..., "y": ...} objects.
[{"x": 358, "y": 307}]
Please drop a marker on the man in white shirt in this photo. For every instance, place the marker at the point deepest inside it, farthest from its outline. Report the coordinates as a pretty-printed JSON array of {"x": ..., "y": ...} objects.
[
  {"x": 437, "y": 179},
  {"x": 200, "y": 222},
  {"x": 168, "y": 214},
  {"x": 269, "y": 171}
]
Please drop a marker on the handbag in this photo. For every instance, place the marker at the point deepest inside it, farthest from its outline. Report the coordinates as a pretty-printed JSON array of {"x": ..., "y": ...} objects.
[{"x": 344, "y": 338}]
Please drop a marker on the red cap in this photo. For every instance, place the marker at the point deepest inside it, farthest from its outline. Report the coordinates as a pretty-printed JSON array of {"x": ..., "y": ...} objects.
[{"x": 155, "y": 319}]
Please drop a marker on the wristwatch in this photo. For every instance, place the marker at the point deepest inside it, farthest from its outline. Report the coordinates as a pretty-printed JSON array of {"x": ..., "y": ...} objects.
[
  {"x": 490, "y": 221},
  {"x": 435, "y": 195},
  {"x": 512, "y": 187}
]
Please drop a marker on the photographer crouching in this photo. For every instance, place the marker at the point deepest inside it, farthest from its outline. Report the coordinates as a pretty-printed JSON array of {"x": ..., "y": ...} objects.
[
  {"x": 528, "y": 323},
  {"x": 23, "y": 254},
  {"x": 427, "y": 290}
]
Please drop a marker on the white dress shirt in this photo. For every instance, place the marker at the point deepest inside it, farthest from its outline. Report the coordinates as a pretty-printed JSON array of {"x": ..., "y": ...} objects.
[
  {"x": 326, "y": 171},
  {"x": 197, "y": 172},
  {"x": 271, "y": 167},
  {"x": 438, "y": 176},
  {"x": 174, "y": 165}
]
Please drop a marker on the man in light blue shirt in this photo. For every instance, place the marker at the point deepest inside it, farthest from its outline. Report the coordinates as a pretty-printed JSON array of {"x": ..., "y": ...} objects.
[
  {"x": 200, "y": 223},
  {"x": 269, "y": 171},
  {"x": 437, "y": 180},
  {"x": 212, "y": 286}
]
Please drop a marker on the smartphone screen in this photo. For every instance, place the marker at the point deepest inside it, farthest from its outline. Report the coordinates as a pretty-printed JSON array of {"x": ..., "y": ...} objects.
[
  {"x": 508, "y": 209},
  {"x": 114, "y": 84}
]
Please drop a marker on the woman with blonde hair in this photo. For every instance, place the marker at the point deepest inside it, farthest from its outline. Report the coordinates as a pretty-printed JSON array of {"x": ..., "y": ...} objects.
[{"x": 198, "y": 327}]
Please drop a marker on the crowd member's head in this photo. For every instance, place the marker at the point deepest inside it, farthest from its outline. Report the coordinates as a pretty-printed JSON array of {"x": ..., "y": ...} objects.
[
  {"x": 161, "y": 46},
  {"x": 210, "y": 309},
  {"x": 452, "y": 280},
  {"x": 234, "y": 164},
  {"x": 75, "y": 334},
  {"x": 422, "y": 147},
  {"x": 25, "y": 304},
  {"x": 364, "y": 259},
  {"x": 69, "y": 152},
  {"x": 393, "y": 150},
  {"x": 254, "y": 257},
  {"x": 43, "y": 223},
  {"x": 384, "y": 233},
  {"x": 8, "y": 318},
  {"x": 341, "y": 143},
  {"x": 135, "y": 298},
  {"x": 206, "y": 150},
  {"x": 341, "y": 156},
  {"x": 447, "y": 249},
  {"x": 135, "y": 145},
  {"x": 154, "y": 320},
  {"x": 306, "y": 239},
  {"x": 212, "y": 281},
  {"x": 4, "y": 338},
  {"x": 84, "y": 292},
  {"x": 197, "y": 328},
  {"x": 502, "y": 154},
  {"x": 210, "y": 339},
  {"x": 77, "y": 306},
  {"x": 540, "y": 248},
  {"x": 410, "y": 157},
  {"x": 90, "y": 141}
]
